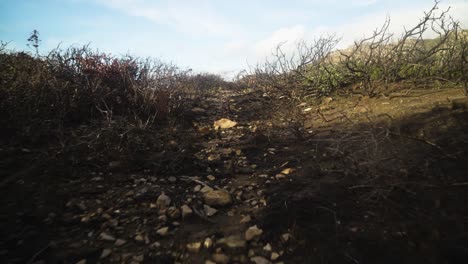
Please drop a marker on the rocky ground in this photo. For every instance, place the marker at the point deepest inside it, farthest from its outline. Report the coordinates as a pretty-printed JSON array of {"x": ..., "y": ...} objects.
[{"x": 258, "y": 195}]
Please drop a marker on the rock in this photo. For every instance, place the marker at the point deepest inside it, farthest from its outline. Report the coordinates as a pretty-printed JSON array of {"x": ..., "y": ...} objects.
[
  {"x": 245, "y": 219},
  {"x": 198, "y": 110},
  {"x": 186, "y": 210},
  {"x": 197, "y": 188},
  {"x": 280, "y": 176},
  {"x": 106, "y": 237},
  {"x": 232, "y": 242},
  {"x": 173, "y": 212},
  {"x": 214, "y": 157},
  {"x": 285, "y": 237},
  {"x": 211, "y": 177},
  {"x": 287, "y": 171},
  {"x": 274, "y": 256},
  {"x": 260, "y": 260},
  {"x": 120, "y": 242},
  {"x": 139, "y": 258},
  {"x": 253, "y": 232},
  {"x": 208, "y": 243},
  {"x": 139, "y": 238},
  {"x": 206, "y": 189},
  {"x": 267, "y": 247},
  {"x": 220, "y": 258},
  {"x": 163, "y": 231},
  {"x": 209, "y": 211},
  {"x": 217, "y": 198},
  {"x": 194, "y": 247},
  {"x": 224, "y": 123},
  {"x": 172, "y": 179},
  {"x": 105, "y": 253},
  {"x": 163, "y": 201}
]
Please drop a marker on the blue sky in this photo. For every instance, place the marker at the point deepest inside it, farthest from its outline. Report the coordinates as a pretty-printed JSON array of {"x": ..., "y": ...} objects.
[{"x": 205, "y": 35}]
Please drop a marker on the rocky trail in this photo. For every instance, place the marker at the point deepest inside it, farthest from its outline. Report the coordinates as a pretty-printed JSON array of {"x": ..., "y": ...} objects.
[{"x": 254, "y": 194}]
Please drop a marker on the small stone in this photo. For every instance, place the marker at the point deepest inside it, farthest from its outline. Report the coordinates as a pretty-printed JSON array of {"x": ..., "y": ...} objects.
[
  {"x": 172, "y": 179},
  {"x": 220, "y": 258},
  {"x": 114, "y": 165},
  {"x": 217, "y": 197},
  {"x": 173, "y": 212},
  {"x": 163, "y": 231},
  {"x": 280, "y": 176},
  {"x": 233, "y": 242},
  {"x": 208, "y": 243},
  {"x": 206, "y": 189},
  {"x": 263, "y": 176},
  {"x": 163, "y": 201},
  {"x": 285, "y": 237},
  {"x": 197, "y": 188},
  {"x": 287, "y": 171},
  {"x": 186, "y": 210},
  {"x": 224, "y": 123},
  {"x": 120, "y": 242},
  {"x": 267, "y": 247},
  {"x": 139, "y": 258},
  {"x": 251, "y": 253},
  {"x": 209, "y": 211},
  {"x": 194, "y": 247},
  {"x": 211, "y": 177},
  {"x": 139, "y": 238},
  {"x": 106, "y": 237},
  {"x": 274, "y": 256},
  {"x": 253, "y": 232},
  {"x": 245, "y": 219},
  {"x": 162, "y": 218},
  {"x": 260, "y": 260},
  {"x": 105, "y": 253}
]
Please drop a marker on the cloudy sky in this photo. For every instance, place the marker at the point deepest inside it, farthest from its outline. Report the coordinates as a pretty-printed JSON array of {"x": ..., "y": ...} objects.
[{"x": 205, "y": 35}]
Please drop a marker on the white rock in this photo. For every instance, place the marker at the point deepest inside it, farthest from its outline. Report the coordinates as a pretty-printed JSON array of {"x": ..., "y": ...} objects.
[
  {"x": 163, "y": 201},
  {"x": 274, "y": 256},
  {"x": 280, "y": 176},
  {"x": 206, "y": 189},
  {"x": 267, "y": 247},
  {"x": 197, "y": 188},
  {"x": 105, "y": 253},
  {"x": 194, "y": 247},
  {"x": 106, "y": 237},
  {"x": 208, "y": 243},
  {"x": 211, "y": 177},
  {"x": 253, "y": 232},
  {"x": 285, "y": 237},
  {"x": 172, "y": 179},
  {"x": 224, "y": 123}
]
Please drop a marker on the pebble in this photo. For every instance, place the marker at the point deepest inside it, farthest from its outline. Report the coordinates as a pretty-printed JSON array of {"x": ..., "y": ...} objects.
[
  {"x": 163, "y": 200},
  {"x": 172, "y": 179},
  {"x": 217, "y": 197},
  {"x": 260, "y": 260},
  {"x": 120, "y": 242},
  {"x": 267, "y": 247},
  {"x": 208, "y": 243},
  {"x": 186, "y": 210},
  {"x": 206, "y": 189},
  {"x": 220, "y": 258},
  {"x": 163, "y": 231},
  {"x": 209, "y": 211},
  {"x": 197, "y": 188},
  {"x": 274, "y": 256},
  {"x": 245, "y": 219},
  {"x": 253, "y": 232},
  {"x": 194, "y": 247},
  {"x": 211, "y": 177},
  {"x": 233, "y": 242},
  {"x": 285, "y": 237},
  {"x": 280, "y": 176},
  {"x": 105, "y": 253},
  {"x": 173, "y": 212},
  {"x": 106, "y": 237}
]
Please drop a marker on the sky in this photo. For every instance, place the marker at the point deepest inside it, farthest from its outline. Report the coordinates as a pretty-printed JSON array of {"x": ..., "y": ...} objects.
[{"x": 218, "y": 36}]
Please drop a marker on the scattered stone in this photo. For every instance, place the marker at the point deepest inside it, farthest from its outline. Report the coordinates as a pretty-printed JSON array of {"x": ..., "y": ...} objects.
[
  {"x": 253, "y": 232},
  {"x": 214, "y": 157},
  {"x": 209, "y": 211},
  {"x": 197, "y": 188},
  {"x": 287, "y": 171},
  {"x": 208, "y": 243},
  {"x": 186, "y": 210},
  {"x": 245, "y": 219},
  {"x": 163, "y": 201},
  {"x": 163, "y": 231},
  {"x": 220, "y": 258},
  {"x": 206, "y": 189},
  {"x": 139, "y": 238},
  {"x": 173, "y": 212},
  {"x": 211, "y": 177},
  {"x": 198, "y": 110},
  {"x": 260, "y": 260},
  {"x": 194, "y": 247},
  {"x": 280, "y": 176},
  {"x": 263, "y": 175},
  {"x": 120, "y": 242},
  {"x": 217, "y": 197},
  {"x": 105, "y": 253},
  {"x": 139, "y": 258},
  {"x": 106, "y": 237},
  {"x": 267, "y": 247},
  {"x": 274, "y": 256},
  {"x": 114, "y": 165},
  {"x": 172, "y": 179},
  {"x": 224, "y": 123},
  {"x": 251, "y": 253},
  {"x": 233, "y": 242},
  {"x": 285, "y": 237}
]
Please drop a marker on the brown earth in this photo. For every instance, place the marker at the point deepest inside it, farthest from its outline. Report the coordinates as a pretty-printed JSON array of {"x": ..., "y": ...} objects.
[{"x": 375, "y": 180}]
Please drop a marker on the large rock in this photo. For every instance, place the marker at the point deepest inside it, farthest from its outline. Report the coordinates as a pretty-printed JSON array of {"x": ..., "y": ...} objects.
[
  {"x": 217, "y": 198},
  {"x": 224, "y": 123}
]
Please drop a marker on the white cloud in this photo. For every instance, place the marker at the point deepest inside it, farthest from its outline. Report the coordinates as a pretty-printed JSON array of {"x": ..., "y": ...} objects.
[
  {"x": 363, "y": 2},
  {"x": 287, "y": 36}
]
